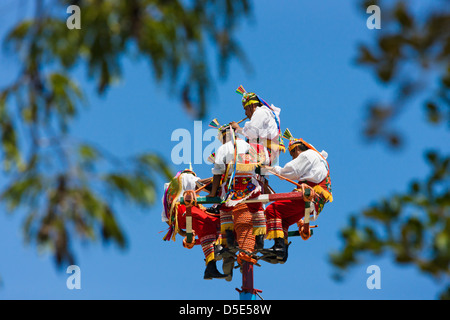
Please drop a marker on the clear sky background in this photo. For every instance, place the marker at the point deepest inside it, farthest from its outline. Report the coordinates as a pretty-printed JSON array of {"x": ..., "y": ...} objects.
[{"x": 303, "y": 54}]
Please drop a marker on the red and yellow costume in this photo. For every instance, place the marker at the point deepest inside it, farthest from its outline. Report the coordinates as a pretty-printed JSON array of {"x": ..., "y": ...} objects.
[
  {"x": 309, "y": 167},
  {"x": 282, "y": 214}
]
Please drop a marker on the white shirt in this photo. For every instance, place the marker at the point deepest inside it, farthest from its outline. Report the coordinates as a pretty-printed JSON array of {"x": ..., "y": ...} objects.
[
  {"x": 262, "y": 124},
  {"x": 225, "y": 155},
  {"x": 308, "y": 166},
  {"x": 188, "y": 182}
]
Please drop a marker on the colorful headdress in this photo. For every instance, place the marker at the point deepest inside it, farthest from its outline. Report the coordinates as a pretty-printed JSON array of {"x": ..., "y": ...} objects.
[
  {"x": 215, "y": 124},
  {"x": 221, "y": 128},
  {"x": 293, "y": 142},
  {"x": 212, "y": 157}
]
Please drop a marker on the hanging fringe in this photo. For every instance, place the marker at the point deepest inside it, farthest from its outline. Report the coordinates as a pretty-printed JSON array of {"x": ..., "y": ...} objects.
[
  {"x": 168, "y": 234},
  {"x": 272, "y": 234},
  {"x": 327, "y": 195},
  {"x": 246, "y": 166}
]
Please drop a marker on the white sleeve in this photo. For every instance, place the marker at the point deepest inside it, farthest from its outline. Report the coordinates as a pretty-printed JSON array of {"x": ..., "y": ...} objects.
[
  {"x": 277, "y": 169},
  {"x": 253, "y": 127},
  {"x": 302, "y": 165},
  {"x": 296, "y": 168},
  {"x": 288, "y": 171},
  {"x": 262, "y": 125},
  {"x": 218, "y": 169}
]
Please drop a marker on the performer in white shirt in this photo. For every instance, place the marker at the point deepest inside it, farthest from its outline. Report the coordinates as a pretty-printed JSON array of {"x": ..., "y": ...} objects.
[
  {"x": 307, "y": 166},
  {"x": 245, "y": 184},
  {"x": 204, "y": 224}
]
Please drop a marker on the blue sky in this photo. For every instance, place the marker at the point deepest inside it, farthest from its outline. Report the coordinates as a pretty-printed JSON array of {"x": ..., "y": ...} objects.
[{"x": 303, "y": 54}]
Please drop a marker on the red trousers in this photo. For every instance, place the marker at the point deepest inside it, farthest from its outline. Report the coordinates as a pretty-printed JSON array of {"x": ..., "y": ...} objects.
[
  {"x": 205, "y": 227},
  {"x": 203, "y": 224},
  {"x": 281, "y": 215}
]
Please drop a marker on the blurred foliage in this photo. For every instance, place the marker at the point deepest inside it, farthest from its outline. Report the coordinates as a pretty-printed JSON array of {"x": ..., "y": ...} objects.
[
  {"x": 71, "y": 189},
  {"x": 411, "y": 54}
]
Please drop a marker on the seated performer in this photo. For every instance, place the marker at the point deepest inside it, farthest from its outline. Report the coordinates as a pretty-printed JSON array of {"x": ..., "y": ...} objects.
[
  {"x": 263, "y": 126},
  {"x": 204, "y": 224},
  {"x": 308, "y": 166},
  {"x": 244, "y": 184}
]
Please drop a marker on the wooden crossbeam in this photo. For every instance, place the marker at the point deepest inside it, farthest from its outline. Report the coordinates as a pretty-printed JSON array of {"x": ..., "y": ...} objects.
[{"x": 264, "y": 198}]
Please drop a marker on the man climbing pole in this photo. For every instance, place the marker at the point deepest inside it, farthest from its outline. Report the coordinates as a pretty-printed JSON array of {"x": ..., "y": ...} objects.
[
  {"x": 311, "y": 169},
  {"x": 205, "y": 225},
  {"x": 234, "y": 173}
]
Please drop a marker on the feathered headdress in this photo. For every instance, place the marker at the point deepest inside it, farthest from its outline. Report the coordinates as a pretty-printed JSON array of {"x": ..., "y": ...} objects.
[
  {"x": 293, "y": 142},
  {"x": 215, "y": 124},
  {"x": 248, "y": 98}
]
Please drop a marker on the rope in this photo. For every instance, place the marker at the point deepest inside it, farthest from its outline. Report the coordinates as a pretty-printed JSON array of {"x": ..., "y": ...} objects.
[
  {"x": 244, "y": 233},
  {"x": 283, "y": 178},
  {"x": 203, "y": 187}
]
